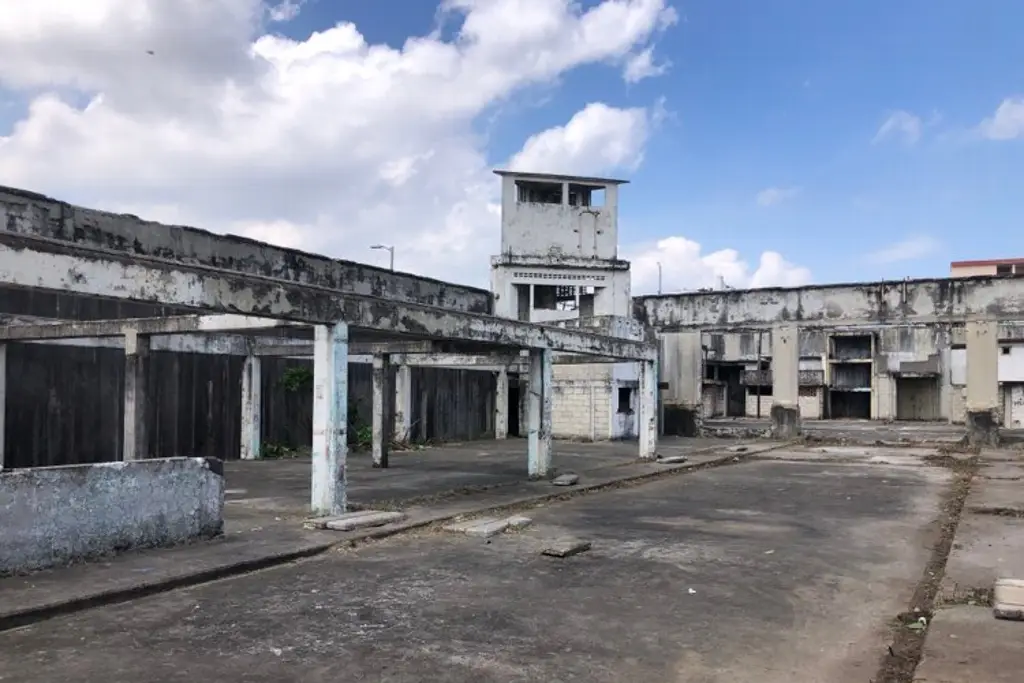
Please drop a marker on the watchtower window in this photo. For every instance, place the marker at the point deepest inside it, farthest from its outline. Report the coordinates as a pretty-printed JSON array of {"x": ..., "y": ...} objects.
[
  {"x": 533, "y": 192},
  {"x": 586, "y": 195}
]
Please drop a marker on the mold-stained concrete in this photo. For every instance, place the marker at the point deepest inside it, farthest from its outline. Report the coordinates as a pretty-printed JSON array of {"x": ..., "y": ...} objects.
[
  {"x": 31, "y": 214},
  {"x": 56, "y": 515}
]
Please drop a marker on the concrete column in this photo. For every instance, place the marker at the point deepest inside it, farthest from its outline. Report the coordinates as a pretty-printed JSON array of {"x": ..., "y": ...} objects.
[
  {"x": 3, "y": 403},
  {"x": 684, "y": 373},
  {"x": 982, "y": 383},
  {"x": 252, "y": 408},
  {"x": 501, "y": 405},
  {"x": 424, "y": 416},
  {"x": 330, "y": 419},
  {"x": 539, "y": 403},
  {"x": 402, "y": 428},
  {"x": 785, "y": 382},
  {"x": 135, "y": 443},
  {"x": 381, "y": 431},
  {"x": 647, "y": 423}
]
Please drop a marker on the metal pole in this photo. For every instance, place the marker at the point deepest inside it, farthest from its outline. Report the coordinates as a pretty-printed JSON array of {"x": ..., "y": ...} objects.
[
  {"x": 659, "y": 277},
  {"x": 392, "y": 252}
]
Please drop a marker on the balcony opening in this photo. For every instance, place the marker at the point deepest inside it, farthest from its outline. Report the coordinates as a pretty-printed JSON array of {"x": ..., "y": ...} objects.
[{"x": 591, "y": 196}]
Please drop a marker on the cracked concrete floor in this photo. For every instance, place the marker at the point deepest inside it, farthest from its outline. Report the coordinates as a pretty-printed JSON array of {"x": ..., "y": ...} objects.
[{"x": 769, "y": 570}]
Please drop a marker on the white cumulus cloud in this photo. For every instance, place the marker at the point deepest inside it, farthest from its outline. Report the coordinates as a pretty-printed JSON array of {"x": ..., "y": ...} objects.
[
  {"x": 194, "y": 112},
  {"x": 642, "y": 65},
  {"x": 190, "y": 110},
  {"x": 685, "y": 268},
  {"x": 1007, "y": 123}
]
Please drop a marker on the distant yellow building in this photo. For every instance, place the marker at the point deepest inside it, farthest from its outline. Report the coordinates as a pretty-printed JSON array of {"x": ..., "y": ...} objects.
[{"x": 1009, "y": 266}]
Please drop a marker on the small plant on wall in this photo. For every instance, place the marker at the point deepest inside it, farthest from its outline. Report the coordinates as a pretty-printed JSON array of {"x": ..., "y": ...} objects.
[{"x": 297, "y": 378}]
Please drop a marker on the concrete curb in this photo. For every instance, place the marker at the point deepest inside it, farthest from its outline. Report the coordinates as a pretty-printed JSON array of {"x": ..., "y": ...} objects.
[
  {"x": 33, "y": 615},
  {"x": 27, "y": 617}
]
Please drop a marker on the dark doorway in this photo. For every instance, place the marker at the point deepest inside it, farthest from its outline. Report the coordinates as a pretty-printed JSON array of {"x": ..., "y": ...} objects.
[
  {"x": 735, "y": 391},
  {"x": 513, "y": 407},
  {"x": 849, "y": 405}
]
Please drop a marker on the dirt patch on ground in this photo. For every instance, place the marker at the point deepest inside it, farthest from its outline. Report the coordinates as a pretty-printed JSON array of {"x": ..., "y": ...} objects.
[{"x": 910, "y": 628}]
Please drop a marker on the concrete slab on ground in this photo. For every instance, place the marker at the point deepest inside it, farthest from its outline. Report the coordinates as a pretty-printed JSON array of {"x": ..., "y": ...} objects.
[
  {"x": 986, "y": 547},
  {"x": 996, "y": 495},
  {"x": 679, "y": 585},
  {"x": 268, "y": 493},
  {"x": 966, "y": 644},
  {"x": 851, "y": 431}
]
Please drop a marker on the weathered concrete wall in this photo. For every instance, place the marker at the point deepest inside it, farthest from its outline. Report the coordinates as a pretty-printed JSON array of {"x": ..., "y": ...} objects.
[
  {"x": 30, "y": 213},
  {"x": 909, "y": 301},
  {"x": 536, "y": 229},
  {"x": 56, "y": 515}
]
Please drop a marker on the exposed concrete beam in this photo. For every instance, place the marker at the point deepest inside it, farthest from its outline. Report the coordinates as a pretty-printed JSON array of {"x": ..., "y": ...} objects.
[
  {"x": 49, "y": 264},
  {"x": 878, "y": 303},
  {"x": 35, "y": 215},
  {"x": 95, "y": 329}
]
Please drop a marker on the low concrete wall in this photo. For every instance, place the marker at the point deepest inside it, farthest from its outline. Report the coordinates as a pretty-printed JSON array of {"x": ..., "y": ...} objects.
[{"x": 55, "y": 515}]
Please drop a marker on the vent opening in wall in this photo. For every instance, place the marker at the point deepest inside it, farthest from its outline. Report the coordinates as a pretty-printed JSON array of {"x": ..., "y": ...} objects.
[
  {"x": 1005, "y": 350},
  {"x": 625, "y": 400}
]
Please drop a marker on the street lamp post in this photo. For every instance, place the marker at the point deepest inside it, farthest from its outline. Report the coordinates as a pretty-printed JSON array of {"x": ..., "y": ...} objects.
[
  {"x": 390, "y": 249},
  {"x": 659, "y": 277}
]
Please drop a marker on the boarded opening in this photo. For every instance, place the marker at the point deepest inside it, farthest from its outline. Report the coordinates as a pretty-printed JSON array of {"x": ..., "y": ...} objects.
[
  {"x": 917, "y": 398},
  {"x": 850, "y": 405}
]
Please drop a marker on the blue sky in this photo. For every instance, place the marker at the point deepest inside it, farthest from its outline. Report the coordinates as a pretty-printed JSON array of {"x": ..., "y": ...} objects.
[
  {"x": 791, "y": 94},
  {"x": 843, "y": 135}
]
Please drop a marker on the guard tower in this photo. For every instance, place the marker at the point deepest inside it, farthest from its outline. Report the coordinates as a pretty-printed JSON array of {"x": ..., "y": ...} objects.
[
  {"x": 559, "y": 249},
  {"x": 559, "y": 265}
]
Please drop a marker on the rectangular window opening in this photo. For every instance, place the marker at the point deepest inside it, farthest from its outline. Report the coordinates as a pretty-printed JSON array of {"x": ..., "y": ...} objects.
[
  {"x": 534, "y": 192},
  {"x": 625, "y": 400},
  {"x": 590, "y": 196},
  {"x": 1005, "y": 350},
  {"x": 1004, "y": 269}
]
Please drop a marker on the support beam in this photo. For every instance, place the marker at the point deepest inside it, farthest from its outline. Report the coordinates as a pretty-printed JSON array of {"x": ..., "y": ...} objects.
[
  {"x": 179, "y": 324},
  {"x": 402, "y": 428},
  {"x": 46, "y": 264},
  {"x": 905, "y": 302},
  {"x": 252, "y": 408},
  {"x": 3, "y": 404},
  {"x": 648, "y": 412},
  {"x": 424, "y": 414},
  {"x": 501, "y": 405},
  {"x": 330, "y": 420},
  {"x": 785, "y": 411},
  {"x": 982, "y": 384},
  {"x": 136, "y": 442},
  {"x": 540, "y": 395},
  {"x": 381, "y": 392}
]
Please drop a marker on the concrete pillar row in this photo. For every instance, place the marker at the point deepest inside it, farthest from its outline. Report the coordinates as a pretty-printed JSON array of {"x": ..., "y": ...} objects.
[
  {"x": 381, "y": 392},
  {"x": 982, "y": 383},
  {"x": 330, "y": 419},
  {"x": 785, "y": 413},
  {"x": 539, "y": 403},
  {"x": 135, "y": 442},
  {"x": 252, "y": 408}
]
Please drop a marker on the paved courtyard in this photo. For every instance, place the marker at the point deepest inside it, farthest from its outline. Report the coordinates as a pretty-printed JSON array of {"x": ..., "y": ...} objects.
[
  {"x": 788, "y": 567},
  {"x": 268, "y": 492}
]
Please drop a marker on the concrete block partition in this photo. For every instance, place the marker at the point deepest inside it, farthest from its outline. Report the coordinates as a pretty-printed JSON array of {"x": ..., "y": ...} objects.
[{"x": 50, "y": 516}]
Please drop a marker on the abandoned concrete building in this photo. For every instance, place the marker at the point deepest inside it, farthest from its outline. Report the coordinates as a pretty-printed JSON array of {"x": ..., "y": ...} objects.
[{"x": 944, "y": 349}]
